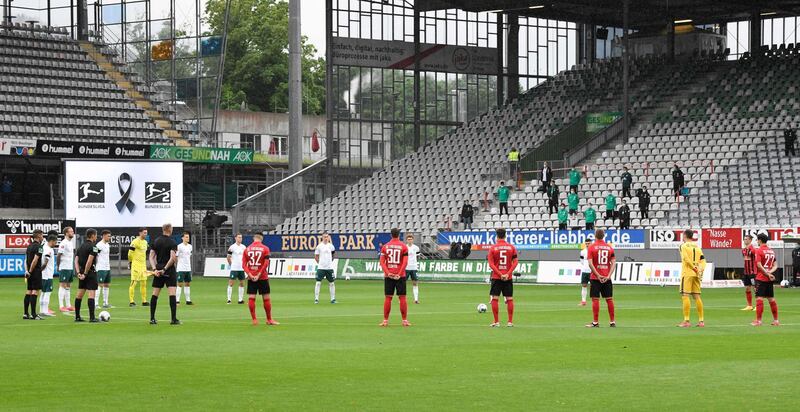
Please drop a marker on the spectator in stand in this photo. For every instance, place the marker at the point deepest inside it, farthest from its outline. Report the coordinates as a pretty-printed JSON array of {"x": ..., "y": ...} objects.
[
  {"x": 553, "y": 196},
  {"x": 678, "y": 181},
  {"x": 503, "y": 192},
  {"x": 574, "y": 178},
  {"x": 624, "y": 215},
  {"x": 547, "y": 177},
  {"x": 5, "y": 191},
  {"x": 611, "y": 206},
  {"x": 563, "y": 216},
  {"x": 573, "y": 200},
  {"x": 627, "y": 180},
  {"x": 790, "y": 137},
  {"x": 513, "y": 162},
  {"x": 467, "y": 212},
  {"x": 590, "y": 215},
  {"x": 644, "y": 203}
]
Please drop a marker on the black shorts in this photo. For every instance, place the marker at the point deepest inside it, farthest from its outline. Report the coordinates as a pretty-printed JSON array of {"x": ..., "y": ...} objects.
[
  {"x": 89, "y": 282},
  {"x": 35, "y": 281},
  {"x": 391, "y": 285},
  {"x": 168, "y": 279},
  {"x": 597, "y": 289},
  {"x": 259, "y": 287},
  {"x": 585, "y": 276},
  {"x": 764, "y": 289},
  {"x": 749, "y": 280},
  {"x": 504, "y": 287},
  {"x": 412, "y": 274}
]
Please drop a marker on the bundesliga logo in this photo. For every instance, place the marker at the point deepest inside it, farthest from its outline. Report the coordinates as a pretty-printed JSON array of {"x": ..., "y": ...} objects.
[
  {"x": 91, "y": 192},
  {"x": 157, "y": 195}
]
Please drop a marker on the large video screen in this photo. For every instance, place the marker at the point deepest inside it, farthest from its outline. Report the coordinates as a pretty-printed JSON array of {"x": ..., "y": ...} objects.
[{"x": 104, "y": 194}]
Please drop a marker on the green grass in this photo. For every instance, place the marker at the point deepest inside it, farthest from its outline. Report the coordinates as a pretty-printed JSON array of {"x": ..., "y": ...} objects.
[{"x": 335, "y": 357}]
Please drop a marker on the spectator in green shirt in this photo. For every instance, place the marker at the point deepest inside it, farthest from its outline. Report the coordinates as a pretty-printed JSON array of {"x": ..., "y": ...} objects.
[
  {"x": 574, "y": 178},
  {"x": 502, "y": 196},
  {"x": 611, "y": 206},
  {"x": 563, "y": 215},
  {"x": 627, "y": 180},
  {"x": 590, "y": 216},
  {"x": 573, "y": 200}
]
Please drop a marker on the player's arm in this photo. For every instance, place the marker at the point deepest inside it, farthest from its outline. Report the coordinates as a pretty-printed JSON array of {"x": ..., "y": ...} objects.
[
  {"x": 88, "y": 266},
  {"x": 613, "y": 264},
  {"x": 75, "y": 265},
  {"x": 316, "y": 255},
  {"x": 594, "y": 269},
  {"x": 230, "y": 256},
  {"x": 403, "y": 262},
  {"x": 383, "y": 262},
  {"x": 246, "y": 267},
  {"x": 492, "y": 264},
  {"x": 173, "y": 257},
  {"x": 152, "y": 258}
]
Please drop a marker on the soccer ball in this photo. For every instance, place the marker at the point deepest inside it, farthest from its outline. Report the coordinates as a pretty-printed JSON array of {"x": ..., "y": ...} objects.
[
  {"x": 105, "y": 316},
  {"x": 784, "y": 283},
  {"x": 482, "y": 308}
]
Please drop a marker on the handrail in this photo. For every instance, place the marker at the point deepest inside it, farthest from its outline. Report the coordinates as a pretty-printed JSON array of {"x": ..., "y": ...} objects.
[
  {"x": 580, "y": 152},
  {"x": 279, "y": 183}
]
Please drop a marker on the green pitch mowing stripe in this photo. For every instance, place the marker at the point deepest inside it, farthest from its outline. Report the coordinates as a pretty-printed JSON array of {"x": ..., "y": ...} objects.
[{"x": 335, "y": 357}]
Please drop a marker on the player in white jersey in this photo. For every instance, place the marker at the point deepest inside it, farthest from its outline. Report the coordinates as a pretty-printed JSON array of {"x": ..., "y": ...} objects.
[
  {"x": 184, "y": 269},
  {"x": 323, "y": 254},
  {"x": 103, "y": 267},
  {"x": 586, "y": 271},
  {"x": 412, "y": 266},
  {"x": 48, "y": 269},
  {"x": 235, "y": 252},
  {"x": 66, "y": 269}
]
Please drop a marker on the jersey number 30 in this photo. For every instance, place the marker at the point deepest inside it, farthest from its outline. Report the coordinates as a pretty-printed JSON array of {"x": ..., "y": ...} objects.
[{"x": 393, "y": 256}]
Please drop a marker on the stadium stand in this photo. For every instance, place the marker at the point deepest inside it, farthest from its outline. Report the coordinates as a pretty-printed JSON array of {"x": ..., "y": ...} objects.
[{"x": 50, "y": 87}]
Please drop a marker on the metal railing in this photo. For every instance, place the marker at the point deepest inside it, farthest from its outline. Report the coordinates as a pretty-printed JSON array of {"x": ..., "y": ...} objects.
[{"x": 583, "y": 150}]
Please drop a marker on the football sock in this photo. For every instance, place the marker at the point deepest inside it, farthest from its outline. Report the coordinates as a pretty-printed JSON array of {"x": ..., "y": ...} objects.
[
  {"x": 510, "y": 308},
  {"x": 759, "y": 309},
  {"x": 687, "y": 306},
  {"x": 241, "y": 293},
  {"x": 316, "y": 290},
  {"x": 610, "y": 304},
  {"x": 268, "y": 308},
  {"x": 178, "y": 294},
  {"x": 496, "y": 310},
  {"x": 153, "y": 303},
  {"x": 43, "y": 307},
  {"x": 61, "y": 297},
  {"x": 67, "y": 296},
  {"x": 595, "y": 309},
  {"x": 584, "y": 293},
  {"x": 173, "y": 307},
  {"x": 332, "y": 289},
  {"x": 251, "y": 304},
  {"x": 403, "y": 307},
  {"x": 78, "y": 302},
  {"x": 387, "y": 307},
  {"x": 27, "y": 301},
  {"x": 415, "y": 289},
  {"x": 143, "y": 289},
  {"x": 699, "y": 304},
  {"x": 33, "y": 305},
  {"x": 91, "y": 308},
  {"x": 131, "y": 289},
  {"x": 773, "y": 305},
  {"x": 187, "y": 293},
  {"x": 105, "y": 295},
  {"x": 749, "y": 296},
  {"x": 230, "y": 290}
]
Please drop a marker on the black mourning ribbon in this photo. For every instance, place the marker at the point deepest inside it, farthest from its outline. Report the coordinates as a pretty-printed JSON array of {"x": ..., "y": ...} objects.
[{"x": 125, "y": 200}]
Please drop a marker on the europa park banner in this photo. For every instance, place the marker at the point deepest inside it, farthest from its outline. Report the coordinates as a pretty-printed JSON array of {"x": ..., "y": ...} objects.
[
  {"x": 202, "y": 154},
  {"x": 436, "y": 270}
]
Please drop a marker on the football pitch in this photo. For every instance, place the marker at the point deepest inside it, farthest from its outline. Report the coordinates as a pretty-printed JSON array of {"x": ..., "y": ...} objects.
[{"x": 335, "y": 357}]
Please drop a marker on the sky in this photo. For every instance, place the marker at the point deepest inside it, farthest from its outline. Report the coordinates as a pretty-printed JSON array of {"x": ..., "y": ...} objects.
[{"x": 312, "y": 23}]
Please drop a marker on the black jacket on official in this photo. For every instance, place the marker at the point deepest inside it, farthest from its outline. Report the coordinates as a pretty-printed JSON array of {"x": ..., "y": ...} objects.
[
  {"x": 163, "y": 246},
  {"x": 87, "y": 249},
  {"x": 33, "y": 250}
]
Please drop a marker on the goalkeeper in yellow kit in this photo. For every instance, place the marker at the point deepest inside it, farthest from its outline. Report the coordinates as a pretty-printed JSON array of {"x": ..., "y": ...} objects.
[
  {"x": 693, "y": 264},
  {"x": 137, "y": 258}
]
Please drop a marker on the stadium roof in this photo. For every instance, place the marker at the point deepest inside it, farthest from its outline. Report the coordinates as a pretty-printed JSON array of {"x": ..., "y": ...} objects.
[{"x": 643, "y": 13}]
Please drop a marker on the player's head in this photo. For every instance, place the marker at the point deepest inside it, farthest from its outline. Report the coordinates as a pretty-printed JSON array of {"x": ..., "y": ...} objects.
[
  {"x": 599, "y": 234},
  {"x": 326, "y": 237},
  {"x": 762, "y": 239},
  {"x": 185, "y": 237},
  {"x": 105, "y": 235},
  {"x": 395, "y": 233},
  {"x": 410, "y": 239},
  {"x": 238, "y": 238},
  {"x": 501, "y": 233},
  {"x": 748, "y": 239},
  {"x": 142, "y": 232},
  {"x": 52, "y": 240},
  {"x": 91, "y": 234},
  {"x": 166, "y": 228},
  {"x": 37, "y": 235},
  {"x": 69, "y": 232},
  {"x": 688, "y": 235},
  {"x": 258, "y": 237}
]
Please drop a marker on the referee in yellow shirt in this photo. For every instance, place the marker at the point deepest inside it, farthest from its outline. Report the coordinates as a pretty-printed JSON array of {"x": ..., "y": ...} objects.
[
  {"x": 693, "y": 263},
  {"x": 137, "y": 257}
]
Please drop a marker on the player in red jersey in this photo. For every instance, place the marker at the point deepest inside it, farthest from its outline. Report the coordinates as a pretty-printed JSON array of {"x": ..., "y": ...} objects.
[
  {"x": 255, "y": 262},
  {"x": 766, "y": 267},
  {"x": 502, "y": 260},
  {"x": 394, "y": 258},
  {"x": 602, "y": 262},
  {"x": 748, "y": 279}
]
